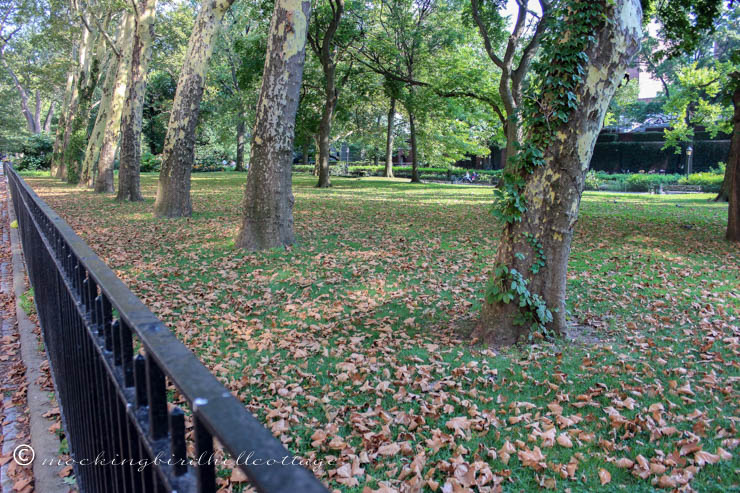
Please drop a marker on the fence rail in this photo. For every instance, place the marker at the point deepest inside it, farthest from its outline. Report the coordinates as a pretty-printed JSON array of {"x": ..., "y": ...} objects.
[{"x": 113, "y": 399}]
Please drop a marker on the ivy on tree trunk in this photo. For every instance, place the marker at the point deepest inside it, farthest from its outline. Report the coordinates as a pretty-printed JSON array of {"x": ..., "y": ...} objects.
[{"x": 585, "y": 52}]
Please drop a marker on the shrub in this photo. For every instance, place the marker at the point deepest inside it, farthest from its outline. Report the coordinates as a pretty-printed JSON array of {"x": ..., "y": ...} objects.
[
  {"x": 646, "y": 182},
  {"x": 710, "y": 182},
  {"x": 208, "y": 159},
  {"x": 150, "y": 162},
  {"x": 37, "y": 150},
  {"x": 592, "y": 181}
]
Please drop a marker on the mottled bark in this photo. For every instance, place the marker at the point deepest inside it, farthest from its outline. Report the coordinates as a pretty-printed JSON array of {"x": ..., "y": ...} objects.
[
  {"x": 104, "y": 180},
  {"x": 56, "y": 156},
  {"x": 268, "y": 196},
  {"x": 95, "y": 142},
  {"x": 76, "y": 140},
  {"x": 84, "y": 57},
  {"x": 389, "y": 140},
  {"x": 129, "y": 184},
  {"x": 415, "y": 178},
  {"x": 553, "y": 191},
  {"x": 173, "y": 192},
  {"x": 241, "y": 142},
  {"x": 733, "y": 169}
]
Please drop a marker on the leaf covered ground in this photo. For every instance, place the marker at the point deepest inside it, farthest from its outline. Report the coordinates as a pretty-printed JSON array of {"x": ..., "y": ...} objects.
[{"x": 351, "y": 345}]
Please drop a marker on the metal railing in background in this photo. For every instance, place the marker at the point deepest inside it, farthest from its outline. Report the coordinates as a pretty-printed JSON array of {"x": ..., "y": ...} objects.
[{"x": 114, "y": 402}]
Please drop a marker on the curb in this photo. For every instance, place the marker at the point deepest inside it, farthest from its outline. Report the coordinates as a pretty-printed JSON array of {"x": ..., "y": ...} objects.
[{"x": 44, "y": 442}]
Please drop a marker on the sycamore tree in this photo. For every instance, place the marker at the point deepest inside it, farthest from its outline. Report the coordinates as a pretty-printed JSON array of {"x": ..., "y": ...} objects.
[
  {"x": 584, "y": 49},
  {"x": 267, "y": 220},
  {"x": 173, "y": 191}
]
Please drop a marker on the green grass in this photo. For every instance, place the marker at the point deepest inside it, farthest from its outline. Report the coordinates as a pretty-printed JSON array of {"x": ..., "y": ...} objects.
[
  {"x": 27, "y": 303},
  {"x": 358, "y": 329}
]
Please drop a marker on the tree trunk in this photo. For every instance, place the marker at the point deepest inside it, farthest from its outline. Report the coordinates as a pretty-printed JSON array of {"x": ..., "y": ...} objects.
[
  {"x": 325, "y": 126},
  {"x": 95, "y": 142},
  {"x": 32, "y": 119},
  {"x": 129, "y": 181},
  {"x": 173, "y": 192},
  {"x": 74, "y": 150},
  {"x": 104, "y": 180},
  {"x": 414, "y": 162},
  {"x": 537, "y": 247},
  {"x": 49, "y": 116},
  {"x": 241, "y": 136},
  {"x": 733, "y": 169},
  {"x": 84, "y": 56},
  {"x": 304, "y": 156},
  {"x": 316, "y": 158},
  {"x": 268, "y": 196},
  {"x": 389, "y": 140},
  {"x": 56, "y": 156}
]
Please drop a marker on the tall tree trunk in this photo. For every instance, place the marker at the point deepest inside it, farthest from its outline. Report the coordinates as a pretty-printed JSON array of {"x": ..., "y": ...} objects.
[
  {"x": 414, "y": 160},
  {"x": 56, "y": 156},
  {"x": 241, "y": 137},
  {"x": 95, "y": 142},
  {"x": 104, "y": 182},
  {"x": 76, "y": 140},
  {"x": 268, "y": 196},
  {"x": 389, "y": 140},
  {"x": 34, "y": 126},
  {"x": 537, "y": 247},
  {"x": 327, "y": 116},
  {"x": 129, "y": 181},
  {"x": 317, "y": 156},
  {"x": 173, "y": 192},
  {"x": 733, "y": 168},
  {"x": 304, "y": 156},
  {"x": 49, "y": 116}
]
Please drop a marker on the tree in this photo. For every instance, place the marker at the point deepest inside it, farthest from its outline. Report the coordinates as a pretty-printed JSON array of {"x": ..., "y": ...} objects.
[
  {"x": 129, "y": 187},
  {"x": 173, "y": 192},
  {"x": 585, "y": 49},
  {"x": 268, "y": 198},
  {"x": 32, "y": 47},
  {"x": 112, "y": 129},
  {"x": 732, "y": 176},
  {"x": 329, "y": 43}
]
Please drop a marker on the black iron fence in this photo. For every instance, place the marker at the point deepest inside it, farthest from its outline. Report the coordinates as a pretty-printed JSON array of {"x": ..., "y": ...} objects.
[{"x": 111, "y": 358}]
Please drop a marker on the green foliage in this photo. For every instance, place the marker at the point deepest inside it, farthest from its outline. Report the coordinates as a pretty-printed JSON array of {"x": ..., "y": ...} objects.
[
  {"x": 593, "y": 182},
  {"x": 150, "y": 162},
  {"x": 710, "y": 182},
  {"x": 509, "y": 285},
  {"x": 647, "y": 182},
  {"x": 551, "y": 100},
  {"x": 37, "y": 150}
]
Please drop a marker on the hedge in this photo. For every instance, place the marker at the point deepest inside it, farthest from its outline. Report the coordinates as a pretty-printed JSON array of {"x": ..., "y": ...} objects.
[
  {"x": 405, "y": 171},
  {"x": 710, "y": 182}
]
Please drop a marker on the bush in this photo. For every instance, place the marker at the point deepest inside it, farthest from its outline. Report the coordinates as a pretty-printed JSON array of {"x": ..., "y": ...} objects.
[
  {"x": 592, "y": 181},
  {"x": 150, "y": 162},
  {"x": 208, "y": 159},
  {"x": 37, "y": 150},
  {"x": 710, "y": 182},
  {"x": 646, "y": 182}
]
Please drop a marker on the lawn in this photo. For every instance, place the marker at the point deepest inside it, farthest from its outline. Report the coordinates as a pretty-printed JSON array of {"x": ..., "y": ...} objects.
[{"x": 351, "y": 346}]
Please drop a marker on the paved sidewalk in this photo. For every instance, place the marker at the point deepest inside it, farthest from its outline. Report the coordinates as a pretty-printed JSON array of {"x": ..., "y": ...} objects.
[{"x": 28, "y": 418}]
